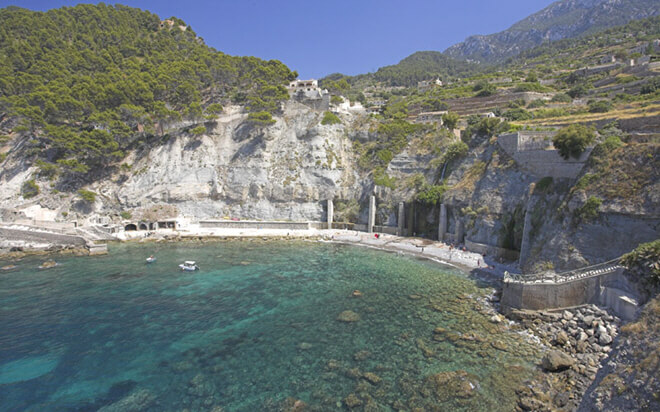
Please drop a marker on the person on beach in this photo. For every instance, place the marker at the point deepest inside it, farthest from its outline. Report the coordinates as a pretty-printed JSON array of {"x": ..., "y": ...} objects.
[{"x": 376, "y": 235}]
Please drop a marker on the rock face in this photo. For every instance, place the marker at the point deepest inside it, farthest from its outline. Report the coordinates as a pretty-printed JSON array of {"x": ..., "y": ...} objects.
[
  {"x": 284, "y": 171},
  {"x": 562, "y": 19}
]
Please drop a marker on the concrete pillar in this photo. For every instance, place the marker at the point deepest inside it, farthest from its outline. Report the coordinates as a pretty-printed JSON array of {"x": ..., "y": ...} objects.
[
  {"x": 400, "y": 221},
  {"x": 442, "y": 224},
  {"x": 460, "y": 231},
  {"x": 411, "y": 219},
  {"x": 372, "y": 214},
  {"x": 527, "y": 228},
  {"x": 331, "y": 212}
]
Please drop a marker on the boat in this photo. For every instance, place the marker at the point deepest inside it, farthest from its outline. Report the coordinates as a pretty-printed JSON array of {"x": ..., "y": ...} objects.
[
  {"x": 189, "y": 266},
  {"x": 151, "y": 259}
]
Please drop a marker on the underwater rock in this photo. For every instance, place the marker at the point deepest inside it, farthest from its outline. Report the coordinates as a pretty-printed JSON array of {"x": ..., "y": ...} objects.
[
  {"x": 348, "y": 316},
  {"x": 356, "y": 293},
  {"x": 372, "y": 378},
  {"x": 9, "y": 267},
  {"x": 361, "y": 355},
  {"x": 293, "y": 405},
  {"x": 352, "y": 401},
  {"x": 499, "y": 345},
  {"x": 304, "y": 346},
  {"x": 447, "y": 385},
  {"x": 136, "y": 401}
]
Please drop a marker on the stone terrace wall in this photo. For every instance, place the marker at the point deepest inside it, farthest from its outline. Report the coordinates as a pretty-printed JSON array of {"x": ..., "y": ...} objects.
[{"x": 533, "y": 151}]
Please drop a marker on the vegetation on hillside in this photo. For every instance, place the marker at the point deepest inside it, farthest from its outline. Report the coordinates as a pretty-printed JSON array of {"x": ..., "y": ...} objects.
[{"x": 86, "y": 83}]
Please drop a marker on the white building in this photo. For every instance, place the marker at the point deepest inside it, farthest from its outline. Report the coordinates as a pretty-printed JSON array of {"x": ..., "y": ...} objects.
[
  {"x": 308, "y": 89},
  {"x": 425, "y": 85}
]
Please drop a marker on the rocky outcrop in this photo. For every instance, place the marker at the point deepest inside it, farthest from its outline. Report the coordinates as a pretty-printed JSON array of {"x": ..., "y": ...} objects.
[{"x": 629, "y": 379}]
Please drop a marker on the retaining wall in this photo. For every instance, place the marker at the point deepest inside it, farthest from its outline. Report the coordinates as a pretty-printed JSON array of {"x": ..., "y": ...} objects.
[
  {"x": 41, "y": 237},
  {"x": 249, "y": 224}
]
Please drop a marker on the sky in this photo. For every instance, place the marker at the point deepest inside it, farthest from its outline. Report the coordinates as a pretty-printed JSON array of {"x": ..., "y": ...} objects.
[{"x": 317, "y": 37}]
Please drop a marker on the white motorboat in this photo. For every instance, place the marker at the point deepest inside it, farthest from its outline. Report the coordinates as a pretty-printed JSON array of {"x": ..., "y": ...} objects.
[
  {"x": 189, "y": 266},
  {"x": 151, "y": 259}
]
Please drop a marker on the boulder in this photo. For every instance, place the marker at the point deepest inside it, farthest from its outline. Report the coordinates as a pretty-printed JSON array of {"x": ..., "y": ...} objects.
[
  {"x": 561, "y": 338},
  {"x": 605, "y": 339},
  {"x": 555, "y": 361}
]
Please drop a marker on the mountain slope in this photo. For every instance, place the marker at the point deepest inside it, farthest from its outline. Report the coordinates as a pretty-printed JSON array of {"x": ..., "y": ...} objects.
[
  {"x": 82, "y": 85},
  {"x": 562, "y": 19}
]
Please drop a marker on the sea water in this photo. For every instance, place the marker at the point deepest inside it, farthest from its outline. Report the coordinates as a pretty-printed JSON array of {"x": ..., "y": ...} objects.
[{"x": 255, "y": 329}]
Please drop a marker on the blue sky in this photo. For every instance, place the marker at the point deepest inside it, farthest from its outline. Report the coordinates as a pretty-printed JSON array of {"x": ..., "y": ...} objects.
[{"x": 317, "y": 38}]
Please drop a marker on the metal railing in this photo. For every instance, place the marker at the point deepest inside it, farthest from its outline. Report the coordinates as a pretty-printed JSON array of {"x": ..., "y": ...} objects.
[{"x": 571, "y": 275}]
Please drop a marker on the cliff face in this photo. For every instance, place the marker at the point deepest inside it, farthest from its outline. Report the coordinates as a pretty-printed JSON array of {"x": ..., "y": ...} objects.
[{"x": 283, "y": 171}]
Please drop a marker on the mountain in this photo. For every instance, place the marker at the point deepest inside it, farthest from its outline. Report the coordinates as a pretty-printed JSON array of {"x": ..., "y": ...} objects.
[
  {"x": 420, "y": 66},
  {"x": 562, "y": 19}
]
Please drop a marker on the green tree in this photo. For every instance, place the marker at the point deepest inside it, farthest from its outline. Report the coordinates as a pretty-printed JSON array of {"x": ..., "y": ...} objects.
[
  {"x": 450, "y": 120},
  {"x": 573, "y": 140},
  {"x": 330, "y": 118}
]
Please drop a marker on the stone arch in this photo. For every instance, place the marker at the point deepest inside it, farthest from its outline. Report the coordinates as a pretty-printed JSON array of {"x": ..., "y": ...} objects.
[
  {"x": 130, "y": 227},
  {"x": 143, "y": 226}
]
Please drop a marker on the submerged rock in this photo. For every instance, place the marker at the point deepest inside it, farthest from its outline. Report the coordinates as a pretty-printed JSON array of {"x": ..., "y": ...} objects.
[
  {"x": 352, "y": 401},
  {"x": 136, "y": 401},
  {"x": 48, "y": 264},
  {"x": 372, "y": 378},
  {"x": 447, "y": 385},
  {"x": 348, "y": 316}
]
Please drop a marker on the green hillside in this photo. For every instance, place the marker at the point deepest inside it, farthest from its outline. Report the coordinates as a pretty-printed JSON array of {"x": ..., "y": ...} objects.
[{"x": 88, "y": 82}]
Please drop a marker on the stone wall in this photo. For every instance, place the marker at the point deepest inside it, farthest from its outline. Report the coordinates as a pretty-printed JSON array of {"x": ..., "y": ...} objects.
[
  {"x": 534, "y": 152},
  {"x": 31, "y": 236},
  {"x": 249, "y": 224},
  {"x": 489, "y": 250},
  {"x": 543, "y": 295}
]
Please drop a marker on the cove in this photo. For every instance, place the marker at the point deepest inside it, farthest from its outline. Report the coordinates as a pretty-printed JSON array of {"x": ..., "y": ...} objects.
[{"x": 255, "y": 329}]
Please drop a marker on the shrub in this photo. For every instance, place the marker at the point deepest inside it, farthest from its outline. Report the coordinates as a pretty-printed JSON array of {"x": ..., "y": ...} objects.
[
  {"x": 330, "y": 118},
  {"x": 573, "y": 139},
  {"x": 3, "y": 156},
  {"x": 198, "y": 131},
  {"x": 261, "y": 118},
  {"x": 517, "y": 114},
  {"x": 487, "y": 126},
  {"x": 543, "y": 185},
  {"x": 561, "y": 98},
  {"x": 450, "y": 120},
  {"x": 30, "y": 189},
  {"x": 336, "y": 100},
  {"x": 579, "y": 90},
  {"x": 382, "y": 179},
  {"x": 536, "y": 103},
  {"x": 644, "y": 261},
  {"x": 431, "y": 194},
  {"x": 87, "y": 195},
  {"x": 600, "y": 106},
  {"x": 125, "y": 215},
  {"x": 455, "y": 151},
  {"x": 588, "y": 211},
  {"x": 484, "y": 89}
]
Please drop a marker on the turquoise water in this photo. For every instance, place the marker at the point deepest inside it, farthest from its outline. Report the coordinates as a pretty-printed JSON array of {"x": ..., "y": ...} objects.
[{"x": 255, "y": 329}]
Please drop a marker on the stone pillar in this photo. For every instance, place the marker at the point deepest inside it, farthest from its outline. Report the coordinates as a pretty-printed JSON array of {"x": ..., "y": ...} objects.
[
  {"x": 400, "y": 221},
  {"x": 372, "y": 214},
  {"x": 460, "y": 231},
  {"x": 442, "y": 224},
  {"x": 331, "y": 212}
]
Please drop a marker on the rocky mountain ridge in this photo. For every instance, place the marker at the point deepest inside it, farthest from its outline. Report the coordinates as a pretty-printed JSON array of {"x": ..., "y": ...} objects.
[{"x": 562, "y": 19}]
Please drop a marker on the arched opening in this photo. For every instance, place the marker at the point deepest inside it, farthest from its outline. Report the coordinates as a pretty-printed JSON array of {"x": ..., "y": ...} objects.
[
  {"x": 143, "y": 226},
  {"x": 152, "y": 226},
  {"x": 130, "y": 227}
]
